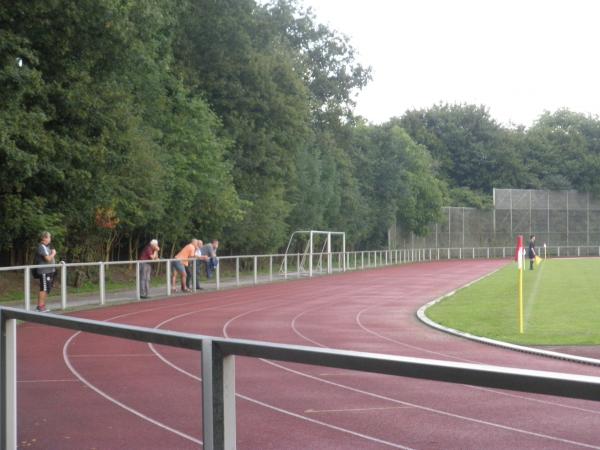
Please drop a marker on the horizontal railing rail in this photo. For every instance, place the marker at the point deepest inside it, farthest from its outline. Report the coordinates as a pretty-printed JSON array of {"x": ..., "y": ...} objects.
[
  {"x": 234, "y": 271},
  {"x": 218, "y": 370}
]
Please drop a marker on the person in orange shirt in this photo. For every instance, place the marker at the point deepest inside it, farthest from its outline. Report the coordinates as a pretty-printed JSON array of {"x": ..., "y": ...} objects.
[{"x": 182, "y": 260}]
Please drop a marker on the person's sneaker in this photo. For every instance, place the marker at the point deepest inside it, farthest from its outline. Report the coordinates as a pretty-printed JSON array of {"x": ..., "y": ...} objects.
[{"x": 43, "y": 309}]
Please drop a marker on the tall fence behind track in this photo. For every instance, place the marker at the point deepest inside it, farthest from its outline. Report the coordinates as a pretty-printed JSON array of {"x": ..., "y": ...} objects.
[
  {"x": 218, "y": 370},
  {"x": 557, "y": 218},
  {"x": 119, "y": 281}
]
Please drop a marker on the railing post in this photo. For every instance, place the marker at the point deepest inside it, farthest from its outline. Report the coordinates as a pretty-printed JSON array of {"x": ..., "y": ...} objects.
[
  {"x": 63, "y": 285},
  {"x": 102, "y": 284},
  {"x": 217, "y": 276},
  {"x": 218, "y": 398},
  {"x": 298, "y": 265},
  {"x": 237, "y": 270},
  {"x": 270, "y": 267},
  {"x": 255, "y": 269},
  {"x": 285, "y": 267},
  {"x": 488, "y": 253},
  {"x": 137, "y": 281},
  {"x": 27, "y": 288},
  {"x": 168, "y": 272},
  {"x": 8, "y": 383},
  {"x": 195, "y": 274}
]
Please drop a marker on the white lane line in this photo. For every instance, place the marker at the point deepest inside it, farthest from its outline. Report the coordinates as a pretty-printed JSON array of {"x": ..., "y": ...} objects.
[
  {"x": 117, "y": 402},
  {"x": 66, "y": 380},
  {"x": 111, "y": 355},
  {"x": 531, "y": 299},
  {"x": 328, "y": 425},
  {"x": 428, "y": 409},
  {"x": 258, "y": 402},
  {"x": 502, "y": 393},
  {"x": 433, "y": 410},
  {"x": 318, "y": 411},
  {"x": 404, "y": 344}
]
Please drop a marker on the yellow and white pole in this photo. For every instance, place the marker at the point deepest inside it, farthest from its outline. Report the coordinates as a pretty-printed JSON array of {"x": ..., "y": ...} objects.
[{"x": 519, "y": 255}]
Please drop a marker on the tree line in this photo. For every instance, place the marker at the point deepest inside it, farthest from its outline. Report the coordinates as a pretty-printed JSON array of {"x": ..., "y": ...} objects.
[{"x": 126, "y": 120}]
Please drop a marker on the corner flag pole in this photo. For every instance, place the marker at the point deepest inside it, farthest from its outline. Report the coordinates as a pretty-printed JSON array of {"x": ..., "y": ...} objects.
[{"x": 519, "y": 258}]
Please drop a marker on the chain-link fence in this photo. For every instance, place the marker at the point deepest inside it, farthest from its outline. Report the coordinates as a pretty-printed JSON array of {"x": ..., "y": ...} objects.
[{"x": 557, "y": 218}]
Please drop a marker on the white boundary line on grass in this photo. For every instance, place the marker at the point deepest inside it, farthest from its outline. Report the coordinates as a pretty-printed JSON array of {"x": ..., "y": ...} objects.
[{"x": 519, "y": 348}]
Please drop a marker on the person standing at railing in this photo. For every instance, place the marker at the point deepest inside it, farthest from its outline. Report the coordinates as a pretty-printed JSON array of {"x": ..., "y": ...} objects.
[
  {"x": 531, "y": 252},
  {"x": 210, "y": 252},
  {"x": 190, "y": 267},
  {"x": 149, "y": 253},
  {"x": 182, "y": 262},
  {"x": 45, "y": 254}
]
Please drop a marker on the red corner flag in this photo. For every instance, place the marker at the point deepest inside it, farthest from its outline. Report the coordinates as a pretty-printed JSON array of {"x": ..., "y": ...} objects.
[{"x": 519, "y": 251}]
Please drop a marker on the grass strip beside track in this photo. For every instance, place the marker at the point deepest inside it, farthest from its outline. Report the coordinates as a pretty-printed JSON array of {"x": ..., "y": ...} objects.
[{"x": 561, "y": 300}]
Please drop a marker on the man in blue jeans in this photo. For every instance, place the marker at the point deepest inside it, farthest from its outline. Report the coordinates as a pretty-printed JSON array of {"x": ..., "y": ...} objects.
[{"x": 210, "y": 250}]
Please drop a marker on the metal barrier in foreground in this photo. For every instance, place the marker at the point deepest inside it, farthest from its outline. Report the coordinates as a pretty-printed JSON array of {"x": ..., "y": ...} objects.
[{"x": 218, "y": 370}]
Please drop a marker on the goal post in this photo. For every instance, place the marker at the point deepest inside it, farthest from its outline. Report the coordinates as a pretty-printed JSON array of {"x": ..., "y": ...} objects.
[{"x": 309, "y": 250}]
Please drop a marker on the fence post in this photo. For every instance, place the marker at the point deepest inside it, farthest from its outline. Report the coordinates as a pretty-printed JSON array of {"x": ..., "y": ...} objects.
[
  {"x": 298, "y": 265},
  {"x": 137, "y": 281},
  {"x": 102, "y": 284},
  {"x": 195, "y": 275},
  {"x": 218, "y": 398},
  {"x": 270, "y": 267},
  {"x": 255, "y": 269},
  {"x": 218, "y": 276},
  {"x": 488, "y": 253},
  {"x": 27, "y": 288},
  {"x": 63, "y": 285},
  {"x": 285, "y": 267},
  {"x": 168, "y": 271},
  {"x": 8, "y": 382}
]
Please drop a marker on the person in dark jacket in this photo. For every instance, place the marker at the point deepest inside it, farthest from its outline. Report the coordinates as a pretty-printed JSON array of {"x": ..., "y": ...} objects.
[{"x": 531, "y": 252}]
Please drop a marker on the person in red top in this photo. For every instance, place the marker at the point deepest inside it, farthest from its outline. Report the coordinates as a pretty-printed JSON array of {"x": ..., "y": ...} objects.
[
  {"x": 149, "y": 253},
  {"x": 182, "y": 260}
]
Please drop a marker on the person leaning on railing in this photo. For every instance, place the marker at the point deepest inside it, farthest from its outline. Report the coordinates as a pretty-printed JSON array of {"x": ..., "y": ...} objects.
[
  {"x": 45, "y": 254},
  {"x": 211, "y": 262},
  {"x": 182, "y": 261},
  {"x": 149, "y": 253}
]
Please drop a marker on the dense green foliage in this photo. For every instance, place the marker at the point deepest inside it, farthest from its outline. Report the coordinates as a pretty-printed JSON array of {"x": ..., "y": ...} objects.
[
  {"x": 560, "y": 305},
  {"x": 126, "y": 120}
]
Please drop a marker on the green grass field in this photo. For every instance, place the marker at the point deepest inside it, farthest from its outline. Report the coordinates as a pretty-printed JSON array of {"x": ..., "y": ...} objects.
[{"x": 561, "y": 304}]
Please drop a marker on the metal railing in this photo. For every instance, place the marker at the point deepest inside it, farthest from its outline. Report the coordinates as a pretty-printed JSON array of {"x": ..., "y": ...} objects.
[
  {"x": 235, "y": 271},
  {"x": 218, "y": 370}
]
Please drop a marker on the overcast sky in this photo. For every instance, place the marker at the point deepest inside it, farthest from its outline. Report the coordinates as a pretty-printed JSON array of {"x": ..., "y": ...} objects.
[{"x": 518, "y": 58}]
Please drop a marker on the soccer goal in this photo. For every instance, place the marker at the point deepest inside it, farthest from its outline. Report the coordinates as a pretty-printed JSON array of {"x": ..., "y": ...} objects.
[{"x": 316, "y": 250}]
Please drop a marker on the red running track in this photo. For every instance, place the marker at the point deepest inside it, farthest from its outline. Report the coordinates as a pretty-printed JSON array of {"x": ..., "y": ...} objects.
[{"x": 82, "y": 391}]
